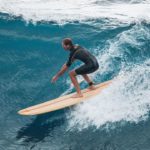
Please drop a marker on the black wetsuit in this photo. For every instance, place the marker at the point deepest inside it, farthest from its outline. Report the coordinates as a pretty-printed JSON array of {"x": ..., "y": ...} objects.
[{"x": 80, "y": 53}]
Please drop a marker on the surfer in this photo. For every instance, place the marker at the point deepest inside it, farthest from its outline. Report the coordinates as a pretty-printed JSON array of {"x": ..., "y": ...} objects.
[{"x": 90, "y": 65}]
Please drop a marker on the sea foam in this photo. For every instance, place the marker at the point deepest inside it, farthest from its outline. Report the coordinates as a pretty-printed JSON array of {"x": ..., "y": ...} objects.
[{"x": 62, "y": 11}]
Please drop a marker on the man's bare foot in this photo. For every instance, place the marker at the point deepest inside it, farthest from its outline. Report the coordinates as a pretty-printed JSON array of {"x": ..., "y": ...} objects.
[
  {"x": 77, "y": 95},
  {"x": 92, "y": 87}
]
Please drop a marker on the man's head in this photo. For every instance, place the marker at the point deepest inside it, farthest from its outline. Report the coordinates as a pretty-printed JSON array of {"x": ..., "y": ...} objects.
[{"x": 67, "y": 43}]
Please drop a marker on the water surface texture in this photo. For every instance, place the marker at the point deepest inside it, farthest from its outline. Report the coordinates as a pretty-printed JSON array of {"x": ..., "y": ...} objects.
[{"x": 117, "y": 32}]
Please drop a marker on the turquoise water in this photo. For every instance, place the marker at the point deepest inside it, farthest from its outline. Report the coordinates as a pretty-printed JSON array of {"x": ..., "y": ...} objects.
[{"x": 117, "y": 33}]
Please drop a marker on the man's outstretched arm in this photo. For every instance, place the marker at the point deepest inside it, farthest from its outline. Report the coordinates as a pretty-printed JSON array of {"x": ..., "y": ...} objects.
[{"x": 61, "y": 72}]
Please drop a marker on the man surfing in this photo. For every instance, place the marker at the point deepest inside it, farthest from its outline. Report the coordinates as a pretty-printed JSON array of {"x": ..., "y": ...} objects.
[{"x": 90, "y": 65}]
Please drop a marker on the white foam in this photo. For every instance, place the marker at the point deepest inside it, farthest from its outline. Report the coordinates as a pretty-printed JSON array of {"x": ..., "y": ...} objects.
[
  {"x": 114, "y": 48},
  {"x": 62, "y": 11},
  {"x": 127, "y": 99}
]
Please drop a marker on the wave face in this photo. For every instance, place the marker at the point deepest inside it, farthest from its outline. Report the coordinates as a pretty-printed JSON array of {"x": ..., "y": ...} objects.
[{"x": 116, "y": 32}]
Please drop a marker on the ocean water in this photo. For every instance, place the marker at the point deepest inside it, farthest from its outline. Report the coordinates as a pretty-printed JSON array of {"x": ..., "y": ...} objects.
[{"x": 117, "y": 32}]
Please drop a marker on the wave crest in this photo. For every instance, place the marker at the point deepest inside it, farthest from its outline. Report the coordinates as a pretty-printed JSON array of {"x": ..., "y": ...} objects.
[{"x": 77, "y": 10}]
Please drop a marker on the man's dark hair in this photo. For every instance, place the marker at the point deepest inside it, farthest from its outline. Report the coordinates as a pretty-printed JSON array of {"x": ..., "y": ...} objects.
[{"x": 68, "y": 41}]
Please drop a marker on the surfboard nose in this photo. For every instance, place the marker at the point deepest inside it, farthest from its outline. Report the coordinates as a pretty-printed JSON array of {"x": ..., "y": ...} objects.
[{"x": 23, "y": 112}]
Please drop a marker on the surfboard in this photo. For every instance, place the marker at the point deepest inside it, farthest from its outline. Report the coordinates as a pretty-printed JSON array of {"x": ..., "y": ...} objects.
[{"x": 63, "y": 101}]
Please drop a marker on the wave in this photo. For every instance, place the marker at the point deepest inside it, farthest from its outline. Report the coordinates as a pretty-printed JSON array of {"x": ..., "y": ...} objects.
[
  {"x": 124, "y": 50},
  {"x": 124, "y": 54},
  {"x": 77, "y": 10},
  {"x": 120, "y": 52},
  {"x": 127, "y": 99}
]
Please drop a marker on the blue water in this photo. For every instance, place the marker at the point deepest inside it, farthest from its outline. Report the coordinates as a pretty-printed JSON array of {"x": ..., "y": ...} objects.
[{"x": 31, "y": 53}]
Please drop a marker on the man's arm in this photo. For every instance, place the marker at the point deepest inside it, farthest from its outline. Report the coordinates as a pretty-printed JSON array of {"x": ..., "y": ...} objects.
[{"x": 61, "y": 72}]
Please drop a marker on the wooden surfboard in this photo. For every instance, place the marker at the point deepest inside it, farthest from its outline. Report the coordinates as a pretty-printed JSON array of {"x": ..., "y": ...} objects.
[{"x": 63, "y": 101}]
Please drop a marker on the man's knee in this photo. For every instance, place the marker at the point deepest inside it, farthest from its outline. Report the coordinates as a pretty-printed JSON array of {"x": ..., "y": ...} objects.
[{"x": 72, "y": 73}]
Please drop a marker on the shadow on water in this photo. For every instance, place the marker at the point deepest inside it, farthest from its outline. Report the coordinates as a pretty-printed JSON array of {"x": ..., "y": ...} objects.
[{"x": 41, "y": 127}]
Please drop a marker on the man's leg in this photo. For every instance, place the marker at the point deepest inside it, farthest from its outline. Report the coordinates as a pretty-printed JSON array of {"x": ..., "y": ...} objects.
[
  {"x": 89, "y": 81},
  {"x": 75, "y": 83},
  {"x": 86, "y": 77}
]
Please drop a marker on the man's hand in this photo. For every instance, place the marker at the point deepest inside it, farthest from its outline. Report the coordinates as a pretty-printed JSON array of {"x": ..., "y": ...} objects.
[
  {"x": 63, "y": 69},
  {"x": 54, "y": 79}
]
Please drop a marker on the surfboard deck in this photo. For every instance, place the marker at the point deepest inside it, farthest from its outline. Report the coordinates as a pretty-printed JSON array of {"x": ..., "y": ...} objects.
[{"x": 63, "y": 101}]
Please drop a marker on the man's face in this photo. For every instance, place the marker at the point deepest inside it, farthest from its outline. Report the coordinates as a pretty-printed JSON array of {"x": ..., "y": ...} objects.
[{"x": 66, "y": 47}]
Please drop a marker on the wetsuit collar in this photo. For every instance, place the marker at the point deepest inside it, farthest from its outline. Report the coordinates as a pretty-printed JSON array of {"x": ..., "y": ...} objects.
[{"x": 74, "y": 47}]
